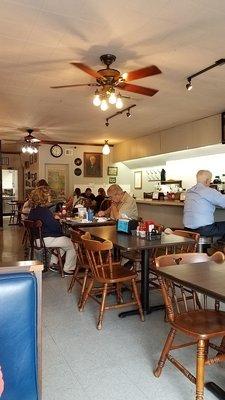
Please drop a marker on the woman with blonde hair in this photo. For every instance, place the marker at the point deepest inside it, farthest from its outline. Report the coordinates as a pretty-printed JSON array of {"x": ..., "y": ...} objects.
[{"x": 51, "y": 228}]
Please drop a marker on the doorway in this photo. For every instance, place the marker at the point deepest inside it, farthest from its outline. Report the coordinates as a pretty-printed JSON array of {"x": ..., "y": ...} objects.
[{"x": 9, "y": 188}]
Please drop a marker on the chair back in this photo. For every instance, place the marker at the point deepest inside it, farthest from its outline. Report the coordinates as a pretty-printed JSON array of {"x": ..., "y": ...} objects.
[
  {"x": 177, "y": 298},
  {"x": 36, "y": 241},
  {"x": 187, "y": 247},
  {"x": 99, "y": 256},
  {"x": 77, "y": 240}
]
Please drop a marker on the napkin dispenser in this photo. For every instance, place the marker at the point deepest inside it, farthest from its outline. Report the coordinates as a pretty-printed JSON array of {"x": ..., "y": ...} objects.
[{"x": 126, "y": 225}]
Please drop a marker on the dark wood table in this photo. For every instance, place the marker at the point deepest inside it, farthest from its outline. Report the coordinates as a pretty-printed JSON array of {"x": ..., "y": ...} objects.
[
  {"x": 207, "y": 278},
  {"x": 123, "y": 241}
]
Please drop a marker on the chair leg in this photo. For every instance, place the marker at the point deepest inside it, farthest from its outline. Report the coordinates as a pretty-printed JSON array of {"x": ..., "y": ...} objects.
[
  {"x": 60, "y": 263},
  {"x": 200, "y": 370},
  {"x": 85, "y": 295},
  {"x": 83, "y": 287},
  {"x": 135, "y": 291},
  {"x": 102, "y": 308},
  {"x": 165, "y": 351},
  {"x": 119, "y": 297},
  {"x": 73, "y": 280}
]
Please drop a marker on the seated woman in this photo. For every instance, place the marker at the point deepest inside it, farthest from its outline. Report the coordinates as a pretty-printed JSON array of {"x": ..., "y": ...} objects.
[{"x": 51, "y": 229}]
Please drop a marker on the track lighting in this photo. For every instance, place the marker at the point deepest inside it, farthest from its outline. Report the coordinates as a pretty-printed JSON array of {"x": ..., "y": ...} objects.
[
  {"x": 189, "y": 85},
  {"x": 127, "y": 110},
  {"x": 217, "y": 63}
]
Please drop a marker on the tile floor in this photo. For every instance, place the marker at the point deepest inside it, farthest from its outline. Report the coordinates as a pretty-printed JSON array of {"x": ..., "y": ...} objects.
[{"x": 116, "y": 363}]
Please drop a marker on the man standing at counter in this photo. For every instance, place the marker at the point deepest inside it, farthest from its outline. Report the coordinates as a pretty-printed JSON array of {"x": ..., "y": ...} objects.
[
  {"x": 121, "y": 204},
  {"x": 199, "y": 207}
]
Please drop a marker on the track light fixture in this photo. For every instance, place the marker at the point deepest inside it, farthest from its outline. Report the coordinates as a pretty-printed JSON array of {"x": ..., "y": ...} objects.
[
  {"x": 221, "y": 61},
  {"x": 189, "y": 85},
  {"x": 127, "y": 110}
]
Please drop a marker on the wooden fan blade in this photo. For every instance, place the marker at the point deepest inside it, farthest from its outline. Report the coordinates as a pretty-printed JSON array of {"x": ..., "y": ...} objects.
[
  {"x": 142, "y": 73},
  {"x": 137, "y": 89},
  {"x": 79, "y": 84},
  {"x": 87, "y": 69}
]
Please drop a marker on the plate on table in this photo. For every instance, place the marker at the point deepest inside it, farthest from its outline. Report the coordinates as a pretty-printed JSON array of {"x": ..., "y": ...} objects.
[{"x": 101, "y": 219}]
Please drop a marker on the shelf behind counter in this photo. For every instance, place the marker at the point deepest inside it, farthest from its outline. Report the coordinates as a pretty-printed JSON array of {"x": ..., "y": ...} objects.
[{"x": 168, "y": 212}]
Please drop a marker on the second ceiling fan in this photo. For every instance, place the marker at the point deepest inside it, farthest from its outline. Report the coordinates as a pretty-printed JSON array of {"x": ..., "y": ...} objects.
[{"x": 109, "y": 79}]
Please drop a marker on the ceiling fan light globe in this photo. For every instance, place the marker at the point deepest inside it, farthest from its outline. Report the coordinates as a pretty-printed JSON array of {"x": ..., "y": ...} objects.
[
  {"x": 35, "y": 150},
  {"x": 96, "y": 100},
  {"x": 112, "y": 98},
  {"x": 104, "y": 105},
  {"x": 24, "y": 149},
  {"x": 119, "y": 103}
]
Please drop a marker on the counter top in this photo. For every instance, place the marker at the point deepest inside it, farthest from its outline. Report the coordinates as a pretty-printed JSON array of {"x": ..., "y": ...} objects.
[{"x": 151, "y": 202}]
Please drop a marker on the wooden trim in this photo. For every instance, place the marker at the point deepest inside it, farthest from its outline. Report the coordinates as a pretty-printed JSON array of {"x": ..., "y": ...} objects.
[
  {"x": 1, "y": 200},
  {"x": 73, "y": 143}
]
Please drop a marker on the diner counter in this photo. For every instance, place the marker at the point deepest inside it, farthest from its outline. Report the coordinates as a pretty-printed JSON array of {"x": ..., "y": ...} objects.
[
  {"x": 168, "y": 212},
  {"x": 176, "y": 203}
]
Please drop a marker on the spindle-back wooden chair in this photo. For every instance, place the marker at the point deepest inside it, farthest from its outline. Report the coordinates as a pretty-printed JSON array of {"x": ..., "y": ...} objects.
[
  {"x": 106, "y": 273},
  {"x": 187, "y": 315}
]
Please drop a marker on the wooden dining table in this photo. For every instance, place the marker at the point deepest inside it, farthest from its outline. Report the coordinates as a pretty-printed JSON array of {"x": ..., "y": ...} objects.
[
  {"x": 207, "y": 278},
  {"x": 123, "y": 241}
]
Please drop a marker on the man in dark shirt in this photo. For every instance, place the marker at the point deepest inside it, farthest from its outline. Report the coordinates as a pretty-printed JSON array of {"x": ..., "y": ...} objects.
[
  {"x": 89, "y": 196},
  {"x": 51, "y": 229}
]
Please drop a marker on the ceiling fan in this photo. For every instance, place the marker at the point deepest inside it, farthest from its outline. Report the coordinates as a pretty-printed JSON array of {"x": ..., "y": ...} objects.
[{"x": 109, "y": 79}]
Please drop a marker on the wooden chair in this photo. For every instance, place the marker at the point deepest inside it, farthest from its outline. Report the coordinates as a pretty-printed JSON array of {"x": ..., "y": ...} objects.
[
  {"x": 186, "y": 315},
  {"x": 81, "y": 271},
  {"x": 183, "y": 248},
  {"x": 107, "y": 274},
  {"x": 36, "y": 243}
]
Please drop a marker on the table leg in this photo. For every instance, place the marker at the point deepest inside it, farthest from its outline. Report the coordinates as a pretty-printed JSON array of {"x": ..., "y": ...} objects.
[
  {"x": 144, "y": 288},
  {"x": 216, "y": 390}
]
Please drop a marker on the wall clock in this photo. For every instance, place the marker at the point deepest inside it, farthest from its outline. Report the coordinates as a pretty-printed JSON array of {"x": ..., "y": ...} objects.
[
  {"x": 56, "y": 150},
  {"x": 77, "y": 171},
  {"x": 77, "y": 161}
]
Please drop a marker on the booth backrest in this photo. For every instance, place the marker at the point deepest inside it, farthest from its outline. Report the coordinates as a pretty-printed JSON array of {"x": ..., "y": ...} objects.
[{"x": 18, "y": 336}]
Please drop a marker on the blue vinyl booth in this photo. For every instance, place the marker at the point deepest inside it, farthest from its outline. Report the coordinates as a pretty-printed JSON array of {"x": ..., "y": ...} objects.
[{"x": 20, "y": 340}]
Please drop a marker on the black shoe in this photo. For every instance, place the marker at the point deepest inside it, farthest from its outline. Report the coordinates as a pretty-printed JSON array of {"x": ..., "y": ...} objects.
[
  {"x": 53, "y": 268},
  {"x": 69, "y": 273},
  {"x": 129, "y": 265}
]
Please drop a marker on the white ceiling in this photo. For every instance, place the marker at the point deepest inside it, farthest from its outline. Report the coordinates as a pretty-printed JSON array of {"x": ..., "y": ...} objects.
[{"x": 39, "y": 39}]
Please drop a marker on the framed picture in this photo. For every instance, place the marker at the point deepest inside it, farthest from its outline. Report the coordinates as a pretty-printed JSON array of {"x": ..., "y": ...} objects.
[
  {"x": 93, "y": 165},
  {"x": 113, "y": 171},
  {"x": 4, "y": 160},
  {"x": 31, "y": 159},
  {"x": 112, "y": 179},
  {"x": 138, "y": 180},
  {"x": 57, "y": 176}
]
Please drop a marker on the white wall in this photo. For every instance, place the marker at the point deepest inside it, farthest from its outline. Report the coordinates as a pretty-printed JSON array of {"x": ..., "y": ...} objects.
[
  {"x": 184, "y": 170},
  {"x": 124, "y": 177}
]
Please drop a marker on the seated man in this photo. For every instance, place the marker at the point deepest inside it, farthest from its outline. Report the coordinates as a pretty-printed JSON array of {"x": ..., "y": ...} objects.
[
  {"x": 90, "y": 196},
  {"x": 199, "y": 207},
  {"x": 123, "y": 204}
]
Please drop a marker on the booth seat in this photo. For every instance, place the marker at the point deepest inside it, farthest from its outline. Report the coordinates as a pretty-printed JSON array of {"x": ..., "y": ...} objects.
[{"x": 20, "y": 341}]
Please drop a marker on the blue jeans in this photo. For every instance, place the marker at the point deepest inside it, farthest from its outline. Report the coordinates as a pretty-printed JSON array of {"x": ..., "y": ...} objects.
[{"x": 215, "y": 229}]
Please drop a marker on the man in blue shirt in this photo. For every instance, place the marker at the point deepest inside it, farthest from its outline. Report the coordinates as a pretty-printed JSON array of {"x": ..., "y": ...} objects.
[{"x": 199, "y": 207}]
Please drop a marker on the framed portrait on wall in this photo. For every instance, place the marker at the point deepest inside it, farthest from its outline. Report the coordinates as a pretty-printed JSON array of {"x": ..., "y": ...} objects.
[
  {"x": 112, "y": 179},
  {"x": 113, "y": 171},
  {"x": 137, "y": 179},
  {"x": 57, "y": 176},
  {"x": 93, "y": 165}
]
